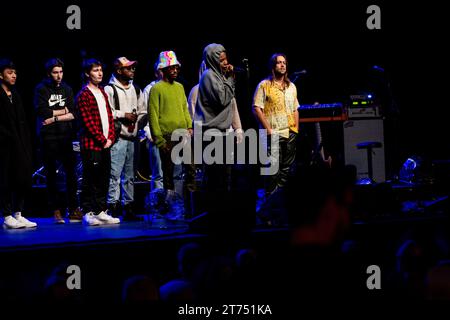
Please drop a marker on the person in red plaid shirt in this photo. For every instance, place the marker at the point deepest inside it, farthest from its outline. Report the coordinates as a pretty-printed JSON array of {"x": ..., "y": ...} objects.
[{"x": 96, "y": 139}]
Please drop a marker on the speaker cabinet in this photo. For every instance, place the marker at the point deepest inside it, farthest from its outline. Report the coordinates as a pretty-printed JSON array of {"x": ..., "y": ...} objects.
[{"x": 362, "y": 130}]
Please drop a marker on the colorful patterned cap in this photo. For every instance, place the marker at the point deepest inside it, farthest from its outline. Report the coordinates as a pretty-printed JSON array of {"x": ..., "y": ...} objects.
[
  {"x": 167, "y": 59},
  {"x": 123, "y": 62}
]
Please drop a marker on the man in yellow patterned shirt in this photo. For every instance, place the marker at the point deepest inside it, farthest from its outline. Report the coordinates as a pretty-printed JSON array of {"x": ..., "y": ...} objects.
[{"x": 275, "y": 107}]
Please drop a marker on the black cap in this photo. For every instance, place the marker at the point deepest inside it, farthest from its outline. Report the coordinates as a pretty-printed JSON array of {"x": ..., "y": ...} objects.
[{"x": 6, "y": 64}]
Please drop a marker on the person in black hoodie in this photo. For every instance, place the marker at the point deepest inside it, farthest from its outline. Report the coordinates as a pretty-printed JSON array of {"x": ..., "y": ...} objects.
[
  {"x": 54, "y": 104},
  {"x": 15, "y": 151}
]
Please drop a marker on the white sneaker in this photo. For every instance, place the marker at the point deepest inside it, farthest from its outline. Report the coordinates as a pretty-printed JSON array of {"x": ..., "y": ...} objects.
[
  {"x": 25, "y": 221},
  {"x": 11, "y": 223},
  {"x": 105, "y": 218},
  {"x": 90, "y": 219}
]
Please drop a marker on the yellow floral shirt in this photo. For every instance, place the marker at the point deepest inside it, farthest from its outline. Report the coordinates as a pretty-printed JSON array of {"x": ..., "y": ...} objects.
[{"x": 278, "y": 105}]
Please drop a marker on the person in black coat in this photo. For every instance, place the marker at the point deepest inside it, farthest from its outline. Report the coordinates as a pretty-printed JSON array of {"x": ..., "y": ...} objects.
[
  {"x": 15, "y": 151},
  {"x": 54, "y": 103}
]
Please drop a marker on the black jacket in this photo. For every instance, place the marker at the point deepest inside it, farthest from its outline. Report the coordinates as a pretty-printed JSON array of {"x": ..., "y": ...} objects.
[
  {"x": 15, "y": 144},
  {"x": 47, "y": 98}
]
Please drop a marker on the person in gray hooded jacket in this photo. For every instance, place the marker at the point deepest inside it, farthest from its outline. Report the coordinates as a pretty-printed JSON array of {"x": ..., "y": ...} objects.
[{"x": 214, "y": 110}]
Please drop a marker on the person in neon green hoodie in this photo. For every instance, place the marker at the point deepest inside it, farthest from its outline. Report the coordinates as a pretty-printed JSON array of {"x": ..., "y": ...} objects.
[{"x": 168, "y": 111}]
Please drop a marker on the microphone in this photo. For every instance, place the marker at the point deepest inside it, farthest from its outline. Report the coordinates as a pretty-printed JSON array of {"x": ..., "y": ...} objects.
[
  {"x": 242, "y": 69},
  {"x": 377, "y": 68},
  {"x": 296, "y": 73},
  {"x": 239, "y": 69}
]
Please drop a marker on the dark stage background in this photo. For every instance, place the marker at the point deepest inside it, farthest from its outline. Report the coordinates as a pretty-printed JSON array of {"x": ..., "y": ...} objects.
[{"x": 328, "y": 39}]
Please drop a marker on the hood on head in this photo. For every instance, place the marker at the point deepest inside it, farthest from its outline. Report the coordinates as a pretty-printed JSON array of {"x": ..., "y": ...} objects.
[
  {"x": 211, "y": 55},
  {"x": 202, "y": 69}
]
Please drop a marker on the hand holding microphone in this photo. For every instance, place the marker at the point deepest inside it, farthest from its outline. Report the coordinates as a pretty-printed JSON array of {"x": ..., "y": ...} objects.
[{"x": 229, "y": 70}]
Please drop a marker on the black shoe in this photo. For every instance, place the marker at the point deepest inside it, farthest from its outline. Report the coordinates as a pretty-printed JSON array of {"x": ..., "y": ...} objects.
[
  {"x": 129, "y": 214},
  {"x": 115, "y": 209}
]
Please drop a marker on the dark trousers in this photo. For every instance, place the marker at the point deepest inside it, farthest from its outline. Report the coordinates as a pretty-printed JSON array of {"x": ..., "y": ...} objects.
[
  {"x": 217, "y": 176},
  {"x": 167, "y": 166},
  {"x": 11, "y": 201},
  {"x": 286, "y": 159},
  {"x": 96, "y": 171},
  {"x": 217, "y": 194},
  {"x": 54, "y": 151}
]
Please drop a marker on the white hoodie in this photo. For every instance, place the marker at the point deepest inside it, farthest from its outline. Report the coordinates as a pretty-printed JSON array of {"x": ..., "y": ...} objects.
[{"x": 128, "y": 101}]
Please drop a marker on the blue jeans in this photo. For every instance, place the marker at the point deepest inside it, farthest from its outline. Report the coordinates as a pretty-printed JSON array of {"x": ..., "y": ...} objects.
[
  {"x": 155, "y": 165},
  {"x": 122, "y": 170}
]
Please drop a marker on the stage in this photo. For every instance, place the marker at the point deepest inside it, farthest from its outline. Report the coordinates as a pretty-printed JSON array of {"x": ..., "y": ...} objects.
[
  {"x": 383, "y": 216},
  {"x": 49, "y": 234},
  {"x": 383, "y": 203},
  {"x": 107, "y": 255}
]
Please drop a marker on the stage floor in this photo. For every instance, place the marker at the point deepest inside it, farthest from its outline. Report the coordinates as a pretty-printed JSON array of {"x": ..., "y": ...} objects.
[
  {"x": 48, "y": 233},
  {"x": 51, "y": 235}
]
